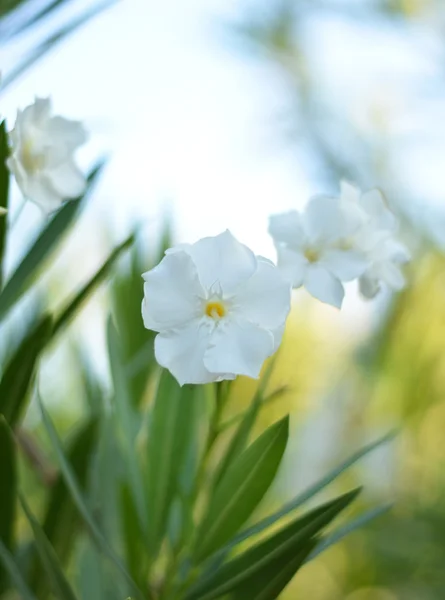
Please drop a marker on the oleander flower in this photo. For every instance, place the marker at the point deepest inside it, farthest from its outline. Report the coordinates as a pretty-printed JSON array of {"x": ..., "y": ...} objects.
[
  {"x": 42, "y": 155},
  {"x": 219, "y": 310},
  {"x": 318, "y": 248},
  {"x": 378, "y": 241}
]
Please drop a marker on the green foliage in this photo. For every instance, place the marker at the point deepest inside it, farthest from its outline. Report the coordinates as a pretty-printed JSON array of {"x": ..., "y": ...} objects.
[{"x": 8, "y": 484}]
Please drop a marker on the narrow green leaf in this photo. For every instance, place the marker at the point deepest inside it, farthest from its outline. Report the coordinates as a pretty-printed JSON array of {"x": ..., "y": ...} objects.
[
  {"x": 77, "y": 497},
  {"x": 4, "y": 193},
  {"x": 348, "y": 528},
  {"x": 136, "y": 557},
  {"x": 309, "y": 493},
  {"x": 290, "y": 540},
  {"x": 15, "y": 575},
  {"x": 19, "y": 372},
  {"x": 61, "y": 588},
  {"x": 62, "y": 520},
  {"x": 169, "y": 437},
  {"x": 241, "y": 489},
  {"x": 42, "y": 249},
  {"x": 8, "y": 484},
  {"x": 73, "y": 305},
  {"x": 241, "y": 436}
]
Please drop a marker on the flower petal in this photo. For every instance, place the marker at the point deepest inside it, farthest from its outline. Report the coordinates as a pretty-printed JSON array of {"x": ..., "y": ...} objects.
[
  {"x": 265, "y": 298},
  {"x": 172, "y": 293},
  {"x": 373, "y": 202},
  {"x": 238, "y": 347},
  {"x": 292, "y": 264},
  {"x": 67, "y": 180},
  {"x": 344, "y": 264},
  {"x": 327, "y": 219},
  {"x": 223, "y": 260},
  {"x": 369, "y": 286},
  {"x": 349, "y": 192},
  {"x": 182, "y": 350},
  {"x": 288, "y": 228},
  {"x": 324, "y": 286}
]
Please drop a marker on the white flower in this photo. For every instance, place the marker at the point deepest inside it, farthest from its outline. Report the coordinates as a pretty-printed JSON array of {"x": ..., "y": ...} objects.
[
  {"x": 317, "y": 248},
  {"x": 377, "y": 240},
  {"x": 219, "y": 310},
  {"x": 42, "y": 155}
]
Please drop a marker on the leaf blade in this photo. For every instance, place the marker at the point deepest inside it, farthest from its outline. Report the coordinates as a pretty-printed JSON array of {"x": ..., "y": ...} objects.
[{"x": 8, "y": 484}]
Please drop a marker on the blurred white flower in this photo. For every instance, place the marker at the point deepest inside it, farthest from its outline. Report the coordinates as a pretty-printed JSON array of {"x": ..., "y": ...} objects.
[
  {"x": 42, "y": 155},
  {"x": 317, "y": 248},
  {"x": 377, "y": 240},
  {"x": 219, "y": 310}
]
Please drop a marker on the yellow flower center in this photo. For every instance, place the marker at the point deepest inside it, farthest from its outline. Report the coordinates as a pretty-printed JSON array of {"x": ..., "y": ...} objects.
[
  {"x": 215, "y": 309},
  {"x": 312, "y": 255},
  {"x": 32, "y": 161},
  {"x": 345, "y": 244}
]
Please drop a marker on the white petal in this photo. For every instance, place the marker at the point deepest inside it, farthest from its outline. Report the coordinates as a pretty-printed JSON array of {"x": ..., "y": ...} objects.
[
  {"x": 67, "y": 180},
  {"x": 39, "y": 190},
  {"x": 327, "y": 219},
  {"x": 265, "y": 298},
  {"x": 349, "y": 192},
  {"x": 34, "y": 115},
  {"x": 172, "y": 293},
  {"x": 292, "y": 264},
  {"x": 288, "y": 228},
  {"x": 324, "y": 286},
  {"x": 66, "y": 132},
  {"x": 278, "y": 336},
  {"x": 346, "y": 265},
  {"x": 392, "y": 275},
  {"x": 369, "y": 286},
  {"x": 181, "y": 351},
  {"x": 238, "y": 347},
  {"x": 375, "y": 206},
  {"x": 222, "y": 260}
]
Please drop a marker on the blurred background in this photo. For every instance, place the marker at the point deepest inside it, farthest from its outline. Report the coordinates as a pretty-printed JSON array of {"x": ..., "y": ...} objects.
[{"x": 213, "y": 114}]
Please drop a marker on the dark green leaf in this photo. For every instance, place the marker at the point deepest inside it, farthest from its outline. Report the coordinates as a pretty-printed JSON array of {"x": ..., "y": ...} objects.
[
  {"x": 19, "y": 372},
  {"x": 60, "y": 586},
  {"x": 300, "y": 499},
  {"x": 42, "y": 249},
  {"x": 8, "y": 484},
  {"x": 170, "y": 431},
  {"x": 290, "y": 540},
  {"x": 77, "y": 497},
  {"x": 15, "y": 575},
  {"x": 4, "y": 194},
  {"x": 62, "y": 520},
  {"x": 73, "y": 305},
  {"x": 136, "y": 557},
  {"x": 241, "y": 489}
]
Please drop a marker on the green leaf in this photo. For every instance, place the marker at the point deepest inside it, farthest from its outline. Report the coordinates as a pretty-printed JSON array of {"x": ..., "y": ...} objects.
[
  {"x": 241, "y": 436},
  {"x": 311, "y": 491},
  {"x": 73, "y": 305},
  {"x": 136, "y": 557},
  {"x": 19, "y": 372},
  {"x": 288, "y": 542},
  {"x": 42, "y": 249},
  {"x": 8, "y": 484},
  {"x": 62, "y": 521},
  {"x": 61, "y": 588},
  {"x": 241, "y": 489},
  {"x": 169, "y": 438},
  {"x": 4, "y": 193},
  {"x": 77, "y": 497},
  {"x": 15, "y": 575}
]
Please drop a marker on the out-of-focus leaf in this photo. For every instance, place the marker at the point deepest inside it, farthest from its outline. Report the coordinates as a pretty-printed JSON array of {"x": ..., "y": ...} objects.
[
  {"x": 42, "y": 249},
  {"x": 252, "y": 566},
  {"x": 241, "y": 436},
  {"x": 300, "y": 499},
  {"x": 18, "y": 374},
  {"x": 73, "y": 305},
  {"x": 348, "y": 528},
  {"x": 15, "y": 575},
  {"x": 241, "y": 489},
  {"x": 4, "y": 193},
  {"x": 127, "y": 423},
  {"x": 170, "y": 430},
  {"x": 52, "y": 40},
  {"x": 77, "y": 497},
  {"x": 134, "y": 544},
  {"x": 59, "y": 584},
  {"x": 8, "y": 484},
  {"x": 62, "y": 521}
]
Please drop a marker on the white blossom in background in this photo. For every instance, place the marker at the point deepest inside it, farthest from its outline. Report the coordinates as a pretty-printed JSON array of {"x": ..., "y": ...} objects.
[
  {"x": 219, "y": 310},
  {"x": 42, "y": 155},
  {"x": 377, "y": 239},
  {"x": 316, "y": 248}
]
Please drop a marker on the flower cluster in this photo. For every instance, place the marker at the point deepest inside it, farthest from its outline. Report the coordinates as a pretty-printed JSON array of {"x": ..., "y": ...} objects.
[{"x": 219, "y": 311}]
